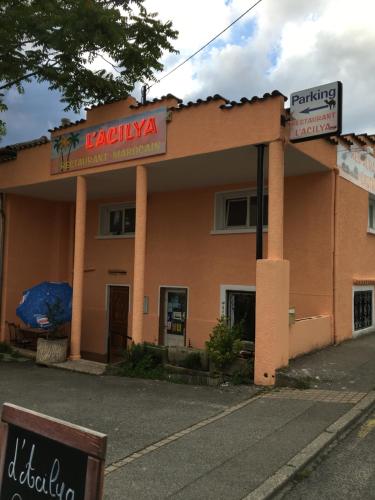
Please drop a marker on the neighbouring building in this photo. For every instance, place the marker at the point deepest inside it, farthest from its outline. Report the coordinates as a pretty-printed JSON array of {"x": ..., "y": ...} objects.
[{"x": 149, "y": 211}]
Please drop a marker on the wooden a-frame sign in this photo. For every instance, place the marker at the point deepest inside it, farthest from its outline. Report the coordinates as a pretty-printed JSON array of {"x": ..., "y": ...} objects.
[{"x": 42, "y": 457}]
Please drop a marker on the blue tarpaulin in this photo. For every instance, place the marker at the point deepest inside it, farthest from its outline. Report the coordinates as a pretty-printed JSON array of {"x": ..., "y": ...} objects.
[{"x": 33, "y": 309}]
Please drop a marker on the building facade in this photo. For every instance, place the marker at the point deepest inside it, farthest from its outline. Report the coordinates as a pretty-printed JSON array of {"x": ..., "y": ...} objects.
[{"x": 149, "y": 211}]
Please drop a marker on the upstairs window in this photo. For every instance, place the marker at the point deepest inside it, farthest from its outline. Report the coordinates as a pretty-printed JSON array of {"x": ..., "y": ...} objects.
[
  {"x": 371, "y": 213},
  {"x": 237, "y": 211},
  {"x": 117, "y": 220}
]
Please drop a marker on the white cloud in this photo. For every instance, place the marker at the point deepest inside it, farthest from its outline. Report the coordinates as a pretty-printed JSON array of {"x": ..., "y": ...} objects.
[
  {"x": 315, "y": 43},
  {"x": 287, "y": 45}
]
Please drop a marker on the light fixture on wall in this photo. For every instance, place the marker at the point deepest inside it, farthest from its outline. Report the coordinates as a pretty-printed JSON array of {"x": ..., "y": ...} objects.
[{"x": 117, "y": 271}]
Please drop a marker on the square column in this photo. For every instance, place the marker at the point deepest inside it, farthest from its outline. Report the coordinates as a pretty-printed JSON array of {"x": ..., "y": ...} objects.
[
  {"x": 276, "y": 200},
  {"x": 78, "y": 268},
  {"x": 139, "y": 253},
  {"x": 272, "y": 281},
  {"x": 271, "y": 319}
]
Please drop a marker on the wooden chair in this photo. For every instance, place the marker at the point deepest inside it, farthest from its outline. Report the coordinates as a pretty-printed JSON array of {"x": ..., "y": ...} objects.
[{"x": 15, "y": 336}]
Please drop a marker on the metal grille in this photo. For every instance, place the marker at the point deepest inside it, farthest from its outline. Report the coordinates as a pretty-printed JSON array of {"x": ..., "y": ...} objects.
[{"x": 362, "y": 309}]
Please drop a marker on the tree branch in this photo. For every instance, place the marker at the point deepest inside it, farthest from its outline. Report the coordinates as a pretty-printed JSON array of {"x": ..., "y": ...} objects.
[
  {"x": 109, "y": 62},
  {"x": 18, "y": 80},
  {"x": 24, "y": 77}
]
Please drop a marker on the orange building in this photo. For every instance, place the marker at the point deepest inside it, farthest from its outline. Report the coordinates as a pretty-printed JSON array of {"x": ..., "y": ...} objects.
[{"x": 149, "y": 211}]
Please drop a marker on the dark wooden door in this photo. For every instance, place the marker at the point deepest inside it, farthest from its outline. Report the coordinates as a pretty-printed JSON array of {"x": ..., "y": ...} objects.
[{"x": 118, "y": 321}]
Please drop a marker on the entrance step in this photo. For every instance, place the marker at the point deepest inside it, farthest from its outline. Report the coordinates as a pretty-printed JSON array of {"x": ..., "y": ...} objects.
[{"x": 81, "y": 366}]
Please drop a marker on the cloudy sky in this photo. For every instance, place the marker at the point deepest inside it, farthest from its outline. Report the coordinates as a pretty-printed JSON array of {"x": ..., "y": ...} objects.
[{"x": 287, "y": 45}]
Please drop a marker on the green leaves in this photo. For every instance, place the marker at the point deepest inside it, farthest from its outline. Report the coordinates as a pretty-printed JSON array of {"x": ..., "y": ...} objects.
[
  {"x": 58, "y": 41},
  {"x": 224, "y": 344}
]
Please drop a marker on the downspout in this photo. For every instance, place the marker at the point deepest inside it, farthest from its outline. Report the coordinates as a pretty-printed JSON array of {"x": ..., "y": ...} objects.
[{"x": 334, "y": 255}]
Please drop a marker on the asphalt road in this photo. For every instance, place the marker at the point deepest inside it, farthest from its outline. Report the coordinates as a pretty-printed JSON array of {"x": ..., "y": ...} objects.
[
  {"x": 174, "y": 440},
  {"x": 347, "y": 472}
]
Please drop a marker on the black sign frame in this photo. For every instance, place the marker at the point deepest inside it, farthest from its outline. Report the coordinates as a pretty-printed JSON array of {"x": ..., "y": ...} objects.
[
  {"x": 339, "y": 121},
  {"x": 84, "y": 441}
]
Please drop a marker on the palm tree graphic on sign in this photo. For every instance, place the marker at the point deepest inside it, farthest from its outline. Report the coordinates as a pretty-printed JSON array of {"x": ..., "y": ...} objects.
[{"x": 63, "y": 143}]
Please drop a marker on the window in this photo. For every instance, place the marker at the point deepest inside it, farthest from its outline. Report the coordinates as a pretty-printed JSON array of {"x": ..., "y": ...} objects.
[
  {"x": 363, "y": 306},
  {"x": 240, "y": 311},
  {"x": 371, "y": 213},
  {"x": 117, "y": 220},
  {"x": 237, "y": 211}
]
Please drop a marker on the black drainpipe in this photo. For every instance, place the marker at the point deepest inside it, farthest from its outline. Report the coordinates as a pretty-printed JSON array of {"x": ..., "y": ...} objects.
[{"x": 260, "y": 201}]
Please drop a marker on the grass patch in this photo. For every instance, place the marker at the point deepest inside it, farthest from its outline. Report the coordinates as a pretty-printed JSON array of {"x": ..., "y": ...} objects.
[
  {"x": 192, "y": 361},
  {"x": 6, "y": 348},
  {"x": 240, "y": 377},
  {"x": 8, "y": 353},
  {"x": 302, "y": 474},
  {"x": 141, "y": 361}
]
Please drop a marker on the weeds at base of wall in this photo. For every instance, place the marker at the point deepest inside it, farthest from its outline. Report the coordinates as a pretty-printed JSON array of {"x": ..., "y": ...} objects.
[
  {"x": 140, "y": 361},
  {"x": 6, "y": 348},
  {"x": 157, "y": 373},
  {"x": 9, "y": 354},
  {"x": 149, "y": 362}
]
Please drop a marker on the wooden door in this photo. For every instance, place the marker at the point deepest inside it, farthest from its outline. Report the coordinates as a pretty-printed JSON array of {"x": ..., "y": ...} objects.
[{"x": 118, "y": 310}]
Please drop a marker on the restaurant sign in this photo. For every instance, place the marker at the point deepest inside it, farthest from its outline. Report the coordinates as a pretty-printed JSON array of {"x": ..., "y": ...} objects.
[
  {"x": 357, "y": 165},
  {"x": 136, "y": 136},
  {"x": 316, "y": 112}
]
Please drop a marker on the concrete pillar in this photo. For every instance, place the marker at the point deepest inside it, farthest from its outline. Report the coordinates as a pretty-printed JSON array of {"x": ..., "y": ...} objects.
[
  {"x": 271, "y": 319},
  {"x": 275, "y": 200},
  {"x": 78, "y": 268},
  {"x": 139, "y": 253},
  {"x": 272, "y": 281}
]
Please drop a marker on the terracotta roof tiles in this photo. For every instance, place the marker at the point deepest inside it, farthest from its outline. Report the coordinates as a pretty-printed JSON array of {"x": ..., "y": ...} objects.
[
  {"x": 10, "y": 152},
  {"x": 350, "y": 139},
  {"x": 67, "y": 125},
  {"x": 245, "y": 100},
  {"x": 156, "y": 99}
]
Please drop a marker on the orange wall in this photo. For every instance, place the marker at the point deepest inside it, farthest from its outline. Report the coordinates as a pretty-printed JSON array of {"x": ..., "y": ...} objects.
[
  {"x": 102, "y": 255},
  {"x": 308, "y": 242},
  {"x": 193, "y": 130},
  {"x": 355, "y": 251},
  {"x": 36, "y": 246},
  {"x": 181, "y": 251},
  {"x": 309, "y": 334}
]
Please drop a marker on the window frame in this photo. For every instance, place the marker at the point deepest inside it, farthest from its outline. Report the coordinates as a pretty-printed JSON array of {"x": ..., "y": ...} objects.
[
  {"x": 220, "y": 217},
  {"x": 104, "y": 220},
  {"x": 371, "y": 202},
  {"x": 369, "y": 329},
  {"x": 224, "y": 289}
]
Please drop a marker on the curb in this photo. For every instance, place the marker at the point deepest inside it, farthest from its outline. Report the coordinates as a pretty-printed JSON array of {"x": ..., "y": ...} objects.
[{"x": 285, "y": 474}]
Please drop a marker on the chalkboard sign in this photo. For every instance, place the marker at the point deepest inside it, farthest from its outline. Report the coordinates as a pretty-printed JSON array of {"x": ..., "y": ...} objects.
[{"x": 42, "y": 457}]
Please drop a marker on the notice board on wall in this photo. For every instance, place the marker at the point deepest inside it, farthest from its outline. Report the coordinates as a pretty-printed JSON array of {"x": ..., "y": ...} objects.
[{"x": 43, "y": 457}]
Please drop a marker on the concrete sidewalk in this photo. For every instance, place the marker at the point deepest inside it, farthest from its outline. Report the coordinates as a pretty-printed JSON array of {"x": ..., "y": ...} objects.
[{"x": 177, "y": 441}]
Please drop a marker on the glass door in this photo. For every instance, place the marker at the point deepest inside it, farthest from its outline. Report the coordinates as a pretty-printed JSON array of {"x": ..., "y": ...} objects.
[{"x": 175, "y": 308}]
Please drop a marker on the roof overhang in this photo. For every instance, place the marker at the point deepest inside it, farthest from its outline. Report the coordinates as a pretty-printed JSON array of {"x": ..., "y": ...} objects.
[{"x": 222, "y": 168}]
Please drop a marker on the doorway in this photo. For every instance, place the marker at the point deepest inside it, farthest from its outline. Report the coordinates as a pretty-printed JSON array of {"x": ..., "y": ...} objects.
[
  {"x": 118, "y": 311},
  {"x": 173, "y": 315},
  {"x": 240, "y": 311}
]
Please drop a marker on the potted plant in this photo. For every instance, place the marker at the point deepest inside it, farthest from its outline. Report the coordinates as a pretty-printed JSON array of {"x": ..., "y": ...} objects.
[{"x": 54, "y": 347}]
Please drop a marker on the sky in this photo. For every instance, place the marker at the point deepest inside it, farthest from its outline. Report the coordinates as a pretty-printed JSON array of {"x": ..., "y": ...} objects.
[{"x": 287, "y": 45}]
